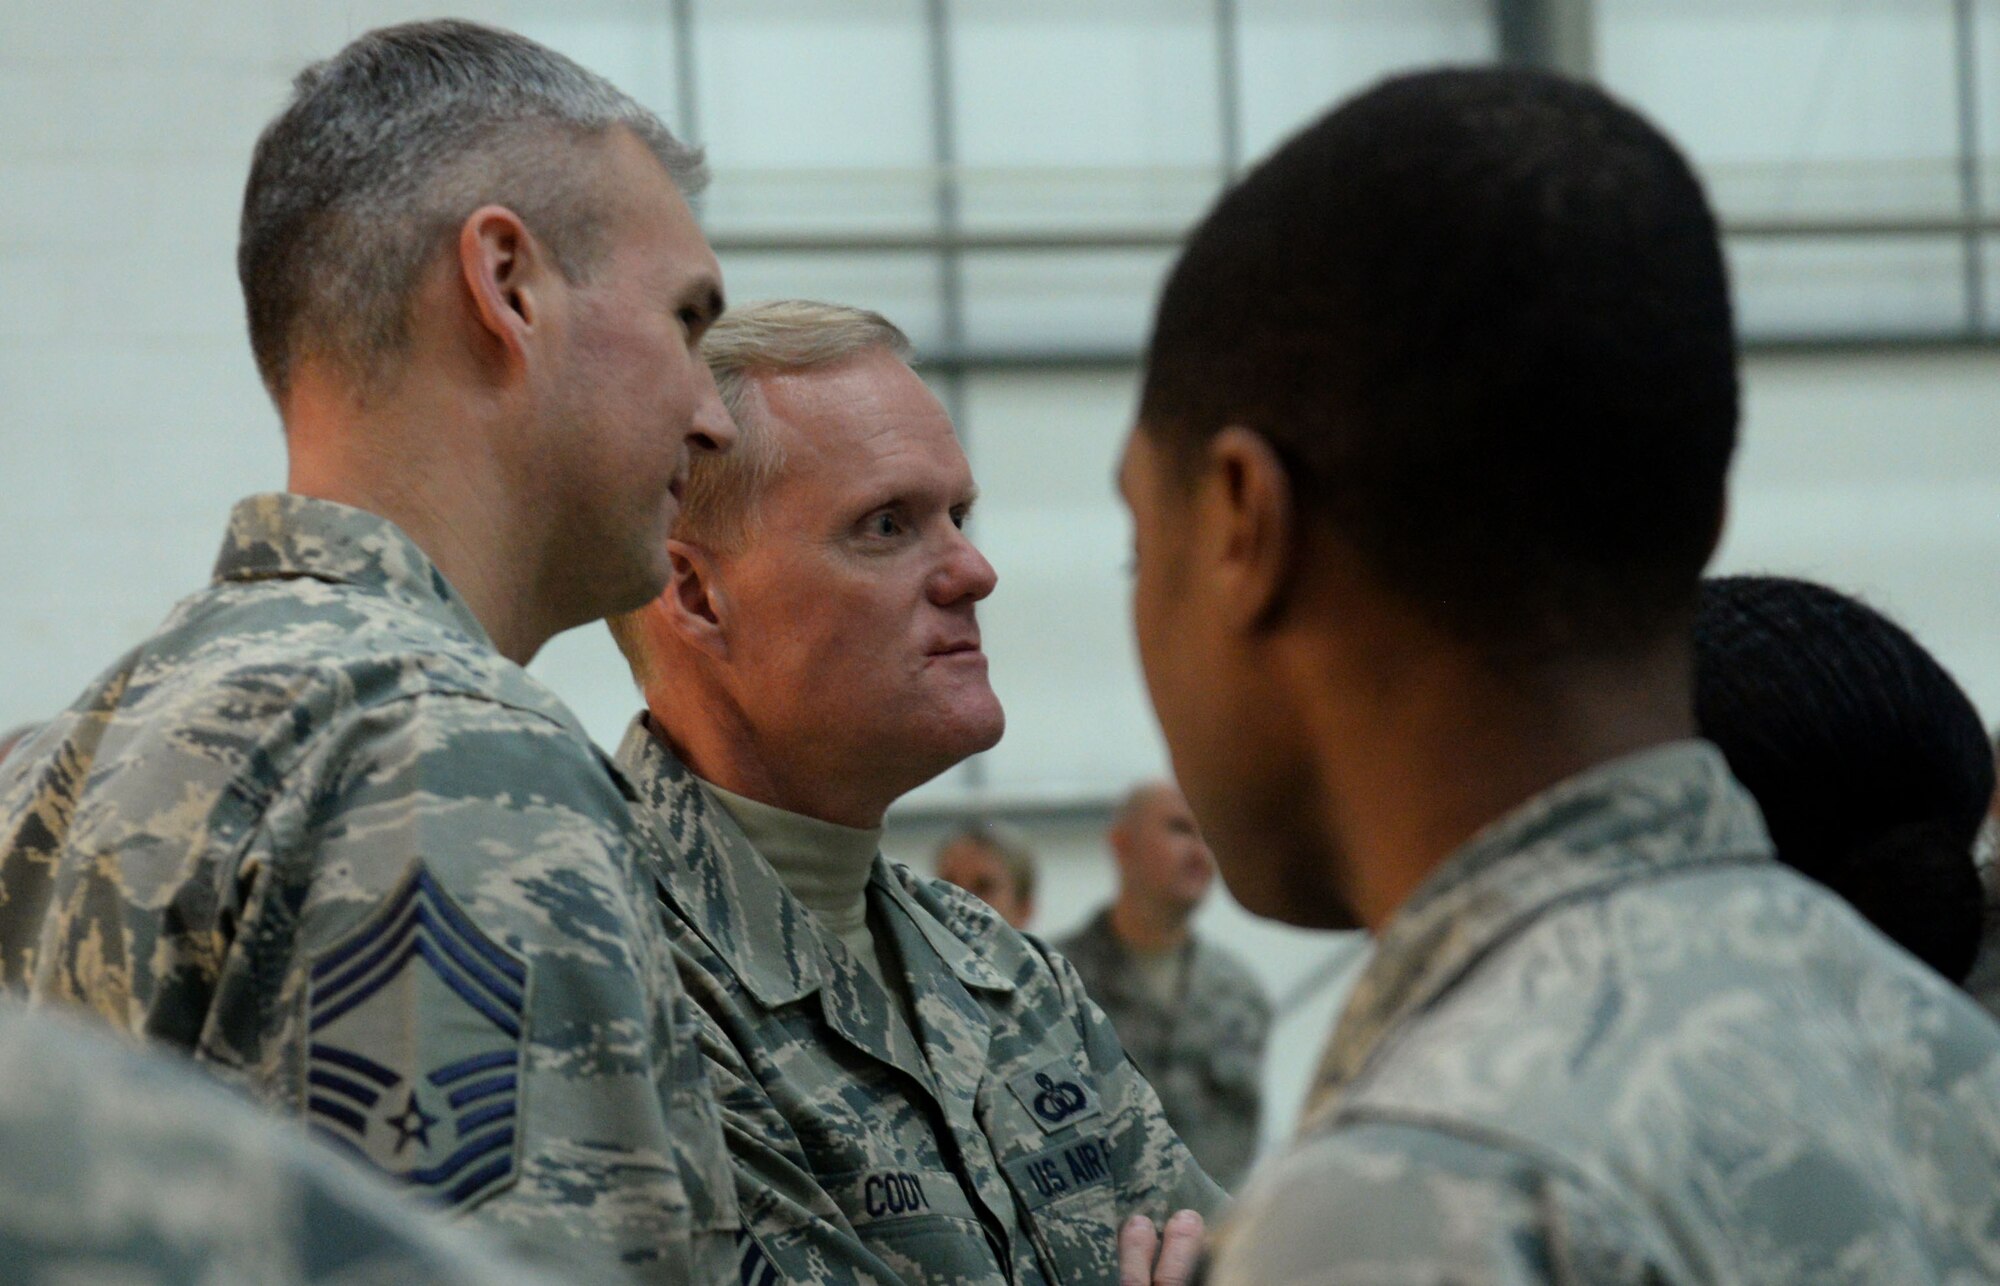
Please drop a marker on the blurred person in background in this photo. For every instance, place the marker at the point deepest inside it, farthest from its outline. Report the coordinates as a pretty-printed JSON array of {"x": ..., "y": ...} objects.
[
  {"x": 995, "y": 863},
  {"x": 913, "y": 1090},
  {"x": 1431, "y": 450},
  {"x": 1188, "y": 1010},
  {"x": 1869, "y": 764},
  {"x": 321, "y": 831}
]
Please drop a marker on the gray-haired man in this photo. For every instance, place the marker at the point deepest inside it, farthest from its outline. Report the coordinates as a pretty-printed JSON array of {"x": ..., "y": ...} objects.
[{"x": 320, "y": 830}]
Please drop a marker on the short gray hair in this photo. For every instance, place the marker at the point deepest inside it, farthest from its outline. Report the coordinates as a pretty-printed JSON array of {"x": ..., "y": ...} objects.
[{"x": 384, "y": 150}]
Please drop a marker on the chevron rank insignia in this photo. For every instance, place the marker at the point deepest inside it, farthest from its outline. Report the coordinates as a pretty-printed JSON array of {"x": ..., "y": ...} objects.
[{"x": 416, "y": 1021}]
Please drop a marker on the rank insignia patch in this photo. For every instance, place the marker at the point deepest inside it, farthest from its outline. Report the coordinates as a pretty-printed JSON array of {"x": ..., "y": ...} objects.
[
  {"x": 417, "y": 1020},
  {"x": 1055, "y": 1095}
]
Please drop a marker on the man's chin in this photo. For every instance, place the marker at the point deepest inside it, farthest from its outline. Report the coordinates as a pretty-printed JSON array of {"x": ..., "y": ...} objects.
[
  {"x": 974, "y": 724},
  {"x": 1289, "y": 897},
  {"x": 958, "y": 740}
]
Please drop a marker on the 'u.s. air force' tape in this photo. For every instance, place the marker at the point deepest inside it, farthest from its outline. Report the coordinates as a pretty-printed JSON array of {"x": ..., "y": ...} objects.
[
  {"x": 870, "y": 1196},
  {"x": 1062, "y": 1171},
  {"x": 417, "y": 1020}
]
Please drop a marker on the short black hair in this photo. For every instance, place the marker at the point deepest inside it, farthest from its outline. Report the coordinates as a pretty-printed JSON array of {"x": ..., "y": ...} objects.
[
  {"x": 1483, "y": 318},
  {"x": 1870, "y": 763}
]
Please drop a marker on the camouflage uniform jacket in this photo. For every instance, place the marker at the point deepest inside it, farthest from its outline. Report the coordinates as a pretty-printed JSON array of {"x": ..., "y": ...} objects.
[
  {"x": 318, "y": 833},
  {"x": 1205, "y": 1056},
  {"x": 1003, "y": 1140},
  {"x": 1611, "y": 1040},
  {"x": 117, "y": 1166}
]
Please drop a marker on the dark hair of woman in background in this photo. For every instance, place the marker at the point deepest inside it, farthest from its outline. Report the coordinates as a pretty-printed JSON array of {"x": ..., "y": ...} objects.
[{"x": 1871, "y": 765}]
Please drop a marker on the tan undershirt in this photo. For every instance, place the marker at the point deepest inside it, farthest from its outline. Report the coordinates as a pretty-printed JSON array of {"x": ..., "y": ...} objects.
[{"x": 824, "y": 865}]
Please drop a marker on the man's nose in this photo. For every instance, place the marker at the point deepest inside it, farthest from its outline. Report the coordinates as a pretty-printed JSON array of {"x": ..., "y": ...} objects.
[
  {"x": 965, "y": 575},
  {"x": 712, "y": 428}
]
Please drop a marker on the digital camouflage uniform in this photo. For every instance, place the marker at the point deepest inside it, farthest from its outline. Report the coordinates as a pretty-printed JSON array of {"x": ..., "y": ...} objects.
[
  {"x": 1004, "y": 1140},
  {"x": 1611, "y": 1040},
  {"x": 1204, "y": 1056},
  {"x": 316, "y": 832},
  {"x": 122, "y": 1167}
]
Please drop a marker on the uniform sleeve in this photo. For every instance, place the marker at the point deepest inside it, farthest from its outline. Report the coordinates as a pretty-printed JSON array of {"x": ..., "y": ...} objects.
[
  {"x": 470, "y": 994},
  {"x": 1160, "y": 1174},
  {"x": 1407, "y": 1205}
]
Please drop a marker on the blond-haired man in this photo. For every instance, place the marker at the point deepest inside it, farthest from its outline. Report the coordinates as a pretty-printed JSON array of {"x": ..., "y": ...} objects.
[{"x": 913, "y": 1091}]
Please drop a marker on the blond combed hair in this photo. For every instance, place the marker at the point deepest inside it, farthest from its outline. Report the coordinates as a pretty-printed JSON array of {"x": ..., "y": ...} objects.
[{"x": 773, "y": 337}]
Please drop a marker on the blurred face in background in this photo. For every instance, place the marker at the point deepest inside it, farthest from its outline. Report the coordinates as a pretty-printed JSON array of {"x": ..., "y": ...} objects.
[
  {"x": 980, "y": 871},
  {"x": 1163, "y": 861}
]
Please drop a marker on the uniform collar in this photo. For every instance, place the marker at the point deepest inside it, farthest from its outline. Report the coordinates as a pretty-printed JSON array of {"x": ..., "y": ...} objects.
[
  {"x": 822, "y": 864},
  {"x": 279, "y": 535},
  {"x": 724, "y": 888},
  {"x": 967, "y": 964},
  {"x": 1667, "y": 809}
]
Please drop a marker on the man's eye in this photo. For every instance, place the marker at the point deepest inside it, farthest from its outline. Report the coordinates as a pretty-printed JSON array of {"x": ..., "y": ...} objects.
[
  {"x": 884, "y": 524},
  {"x": 958, "y": 517}
]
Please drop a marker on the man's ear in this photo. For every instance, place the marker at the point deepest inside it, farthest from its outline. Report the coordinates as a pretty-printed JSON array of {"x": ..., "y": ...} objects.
[
  {"x": 1249, "y": 520},
  {"x": 694, "y": 606},
  {"x": 507, "y": 276}
]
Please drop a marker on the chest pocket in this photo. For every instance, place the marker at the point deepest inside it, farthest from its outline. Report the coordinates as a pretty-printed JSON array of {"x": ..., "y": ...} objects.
[{"x": 919, "y": 1222}]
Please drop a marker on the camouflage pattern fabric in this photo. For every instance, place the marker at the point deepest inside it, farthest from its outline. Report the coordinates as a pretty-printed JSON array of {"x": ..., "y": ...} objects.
[
  {"x": 1003, "y": 1137},
  {"x": 1205, "y": 1056},
  {"x": 1612, "y": 1040},
  {"x": 317, "y": 833},
  {"x": 1982, "y": 983},
  {"x": 117, "y": 1166}
]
